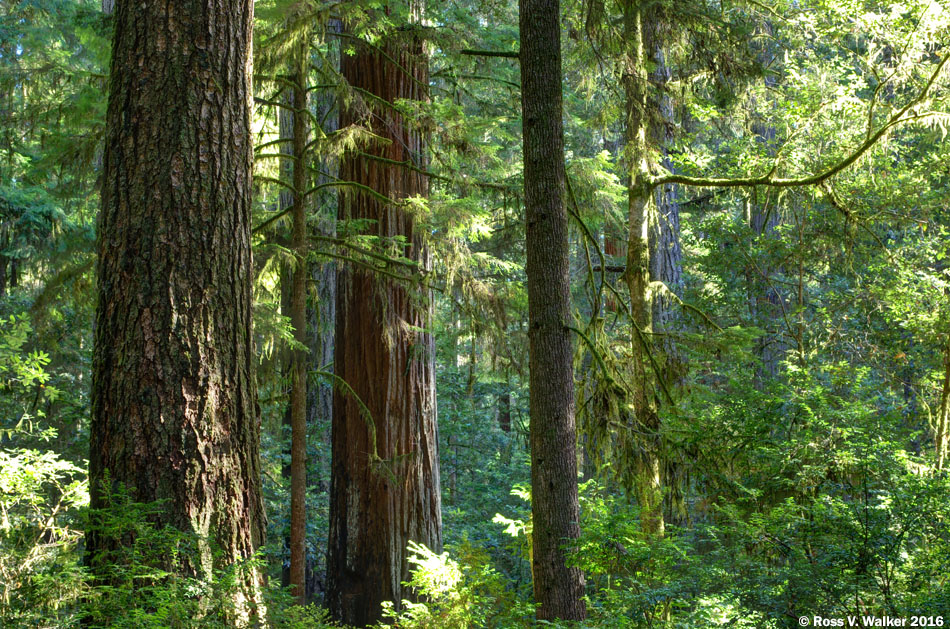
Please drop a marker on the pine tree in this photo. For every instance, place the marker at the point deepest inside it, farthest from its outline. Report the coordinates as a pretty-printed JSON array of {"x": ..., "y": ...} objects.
[{"x": 555, "y": 511}]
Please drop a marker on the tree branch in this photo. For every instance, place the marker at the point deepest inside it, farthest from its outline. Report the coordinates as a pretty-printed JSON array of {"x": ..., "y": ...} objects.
[
  {"x": 769, "y": 179},
  {"x": 490, "y": 53}
]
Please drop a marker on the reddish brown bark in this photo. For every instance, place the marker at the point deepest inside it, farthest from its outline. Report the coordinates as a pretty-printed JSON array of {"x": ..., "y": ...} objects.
[{"x": 385, "y": 356}]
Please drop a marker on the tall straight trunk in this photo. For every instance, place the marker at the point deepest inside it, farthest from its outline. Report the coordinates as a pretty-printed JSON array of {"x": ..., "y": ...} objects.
[
  {"x": 285, "y": 201},
  {"x": 555, "y": 511},
  {"x": 299, "y": 242},
  {"x": 666, "y": 261},
  {"x": 322, "y": 307},
  {"x": 174, "y": 401},
  {"x": 666, "y": 256},
  {"x": 642, "y": 214},
  {"x": 384, "y": 488}
]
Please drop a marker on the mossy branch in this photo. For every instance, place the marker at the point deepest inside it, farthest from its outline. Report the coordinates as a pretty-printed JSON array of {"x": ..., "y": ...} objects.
[
  {"x": 769, "y": 179},
  {"x": 377, "y": 463}
]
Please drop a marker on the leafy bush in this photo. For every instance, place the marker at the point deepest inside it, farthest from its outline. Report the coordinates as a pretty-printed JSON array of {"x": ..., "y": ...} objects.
[
  {"x": 145, "y": 586},
  {"x": 40, "y": 495},
  {"x": 44, "y": 515},
  {"x": 456, "y": 594},
  {"x": 40, "y": 578}
]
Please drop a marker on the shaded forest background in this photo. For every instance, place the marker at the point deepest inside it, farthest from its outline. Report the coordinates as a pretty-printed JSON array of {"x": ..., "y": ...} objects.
[{"x": 755, "y": 313}]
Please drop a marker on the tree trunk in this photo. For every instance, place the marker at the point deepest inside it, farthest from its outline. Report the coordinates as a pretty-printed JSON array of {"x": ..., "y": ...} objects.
[
  {"x": 285, "y": 202},
  {"x": 299, "y": 242},
  {"x": 941, "y": 435},
  {"x": 503, "y": 409},
  {"x": 174, "y": 399},
  {"x": 766, "y": 304},
  {"x": 666, "y": 256},
  {"x": 385, "y": 478},
  {"x": 642, "y": 214},
  {"x": 666, "y": 264},
  {"x": 558, "y": 588}
]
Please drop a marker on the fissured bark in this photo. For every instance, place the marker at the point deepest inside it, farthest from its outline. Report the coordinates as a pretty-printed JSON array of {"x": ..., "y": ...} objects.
[
  {"x": 558, "y": 588},
  {"x": 174, "y": 401},
  {"x": 384, "y": 354}
]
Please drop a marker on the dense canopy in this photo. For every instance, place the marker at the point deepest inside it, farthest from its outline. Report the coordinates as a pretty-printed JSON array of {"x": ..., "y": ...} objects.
[{"x": 483, "y": 313}]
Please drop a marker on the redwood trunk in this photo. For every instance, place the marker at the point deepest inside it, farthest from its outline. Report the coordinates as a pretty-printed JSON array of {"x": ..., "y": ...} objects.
[
  {"x": 558, "y": 588},
  {"x": 666, "y": 256},
  {"x": 384, "y": 493},
  {"x": 173, "y": 399}
]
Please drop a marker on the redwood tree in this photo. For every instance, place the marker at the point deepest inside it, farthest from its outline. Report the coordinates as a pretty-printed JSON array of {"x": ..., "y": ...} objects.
[
  {"x": 558, "y": 588},
  {"x": 385, "y": 478},
  {"x": 174, "y": 401}
]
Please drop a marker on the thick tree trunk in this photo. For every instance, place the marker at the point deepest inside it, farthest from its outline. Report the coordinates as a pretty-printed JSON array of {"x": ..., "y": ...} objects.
[
  {"x": 666, "y": 265},
  {"x": 558, "y": 588},
  {"x": 385, "y": 477},
  {"x": 174, "y": 400}
]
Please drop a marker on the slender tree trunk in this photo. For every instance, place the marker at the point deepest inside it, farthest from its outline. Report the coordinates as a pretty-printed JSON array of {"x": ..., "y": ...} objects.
[
  {"x": 294, "y": 131},
  {"x": 941, "y": 435},
  {"x": 4, "y": 260},
  {"x": 385, "y": 477},
  {"x": 298, "y": 318},
  {"x": 558, "y": 588},
  {"x": 503, "y": 409},
  {"x": 642, "y": 214},
  {"x": 285, "y": 202},
  {"x": 174, "y": 401},
  {"x": 766, "y": 304}
]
